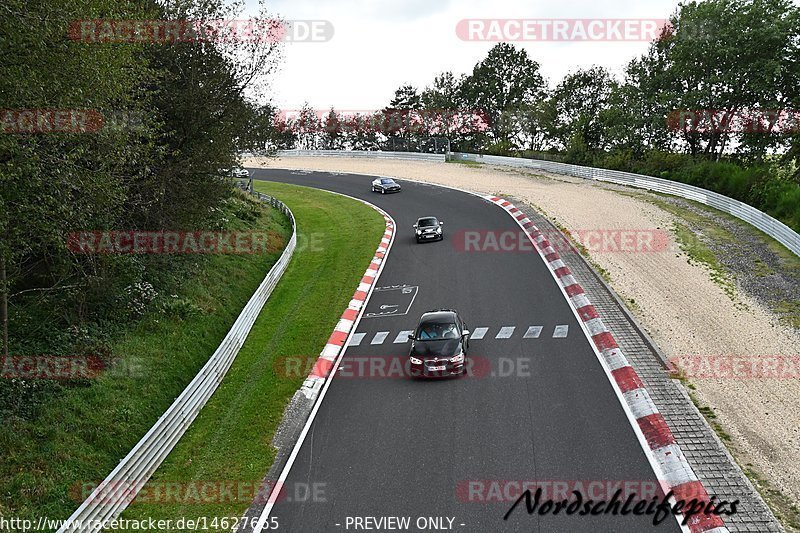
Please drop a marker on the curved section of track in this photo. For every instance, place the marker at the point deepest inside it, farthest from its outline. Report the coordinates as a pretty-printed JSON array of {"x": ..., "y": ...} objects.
[{"x": 539, "y": 407}]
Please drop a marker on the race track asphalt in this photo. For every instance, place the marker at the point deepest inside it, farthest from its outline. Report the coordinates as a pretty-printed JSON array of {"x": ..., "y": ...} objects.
[{"x": 534, "y": 409}]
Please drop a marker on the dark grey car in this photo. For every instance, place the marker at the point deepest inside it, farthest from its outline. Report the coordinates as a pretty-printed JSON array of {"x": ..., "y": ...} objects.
[{"x": 428, "y": 229}]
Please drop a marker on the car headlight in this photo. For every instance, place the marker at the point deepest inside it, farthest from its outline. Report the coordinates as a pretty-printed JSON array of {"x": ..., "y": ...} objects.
[
  {"x": 457, "y": 359},
  {"x": 416, "y": 361},
  {"x": 419, "y": 232},
  {"x": 438, "y": 230}
]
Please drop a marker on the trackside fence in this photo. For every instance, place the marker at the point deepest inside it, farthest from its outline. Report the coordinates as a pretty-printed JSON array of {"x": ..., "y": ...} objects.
[{"x": 116, "y": 492}]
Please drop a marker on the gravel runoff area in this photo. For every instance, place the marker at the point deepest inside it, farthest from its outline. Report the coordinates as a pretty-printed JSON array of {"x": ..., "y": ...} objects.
[{"x": 685, "y": 311}]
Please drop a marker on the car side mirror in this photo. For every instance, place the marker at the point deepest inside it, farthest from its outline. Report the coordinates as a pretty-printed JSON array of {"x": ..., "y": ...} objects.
[
  {"x": 465, "y": 333},
  {"x": 415, "y": 226},
  {"x": 441, "y": 223},
  {"x": 411, "y": 337}
]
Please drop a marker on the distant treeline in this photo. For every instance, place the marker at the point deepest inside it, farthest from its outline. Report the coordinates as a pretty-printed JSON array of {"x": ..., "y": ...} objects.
[{"x": 714, "y": 102}]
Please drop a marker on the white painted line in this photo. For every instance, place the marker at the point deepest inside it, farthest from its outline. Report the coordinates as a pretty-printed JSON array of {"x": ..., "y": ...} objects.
[
  {"x": 505, "y": 332},
  {"x": 533, "y": 332},
  {"x": 676, "y": 468},
  {"x": 379, "y": 337},
  {"x": 356, "y": 339},
  {"x": 402, "y": 337},
  {"x": 560, "y": 332},
  {"x": 595, "y": 326},
  {"x": 478, "y": 333},
  {"x": 640, "y": 402}
]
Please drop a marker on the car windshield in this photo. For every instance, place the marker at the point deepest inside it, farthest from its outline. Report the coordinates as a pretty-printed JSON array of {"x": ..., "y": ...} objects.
[
  {"x": 427, "y": 222},
  {"x": 387, "y": 182},
  {"x": 434, "y": 331}
]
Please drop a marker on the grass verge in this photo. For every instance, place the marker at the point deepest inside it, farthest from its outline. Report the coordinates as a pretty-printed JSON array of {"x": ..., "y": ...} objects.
[
  {"x": 229, "y": 444},
  {"x": 81, "y": 433}
]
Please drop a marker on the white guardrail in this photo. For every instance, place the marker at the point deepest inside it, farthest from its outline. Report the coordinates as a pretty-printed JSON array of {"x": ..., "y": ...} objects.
[
  {"x": 760, "y": 220},
  {"x": 117, "y": 490}
]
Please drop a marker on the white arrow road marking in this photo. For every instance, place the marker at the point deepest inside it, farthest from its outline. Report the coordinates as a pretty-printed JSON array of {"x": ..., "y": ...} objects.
[
  {"x": 560, "y": 332},
  {"x": 533, "y": 332},
  {"x": 479, "y": 333},
  {"x": 505, "y": 332},
  {"x": 379, "y": 337},
  {"x": 356, "y": 339},
  {"x": 402, "y": 337}
]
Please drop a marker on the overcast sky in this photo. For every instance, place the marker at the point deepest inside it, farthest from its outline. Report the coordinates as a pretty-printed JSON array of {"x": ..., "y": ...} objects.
[{"x": 379, "y": 45}]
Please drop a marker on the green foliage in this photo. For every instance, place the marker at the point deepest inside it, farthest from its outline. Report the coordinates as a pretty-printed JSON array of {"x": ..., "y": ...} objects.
[
  {"x": 175, "y": 115},
  {"x": 76, "y": 432}
]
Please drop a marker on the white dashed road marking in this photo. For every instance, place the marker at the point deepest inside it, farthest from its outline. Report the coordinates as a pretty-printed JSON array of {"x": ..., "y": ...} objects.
[
  {"x": 478, "y": 333},
  {"x": 560, "y": 332},
  {"x": 379, "y": 337},
  {"x": 356, "y": 339},
  {"x": 505, "y": 332},
  {"x": 533, "y": 332},
  {"x": 403, "y": 336}
]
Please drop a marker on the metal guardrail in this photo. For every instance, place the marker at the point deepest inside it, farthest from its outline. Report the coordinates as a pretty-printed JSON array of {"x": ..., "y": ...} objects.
[
  {"x": 415, "y": 156},
  {"x": 758, "y": 219},
  {"x": 119, "y": 488}
]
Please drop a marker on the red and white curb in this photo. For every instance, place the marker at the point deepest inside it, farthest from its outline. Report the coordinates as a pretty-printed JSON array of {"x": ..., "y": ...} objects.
[
  {"x": 669, "y": 463},
  {"x": 318, "y": 381},
  {"x": 338, "y": 339}
]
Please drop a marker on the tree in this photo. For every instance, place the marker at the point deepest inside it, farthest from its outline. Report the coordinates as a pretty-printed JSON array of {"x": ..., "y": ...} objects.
[
  {"x": 362, "y": 131},
  {"x": 578, "y": 103},
  {"x": 398, "y": 123},
  {"x": 332, "y": 137},
  {"x": 307, "y": 127},
  {"x": 505, "y": 81},
  {"x": 724, "y": 56}
]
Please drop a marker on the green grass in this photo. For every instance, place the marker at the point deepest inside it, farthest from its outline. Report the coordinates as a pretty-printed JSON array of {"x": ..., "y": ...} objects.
[
  {"x": 80, "y": 434},
  {"x": 231, "y": 439},
  {"x": 788, "y": 263},
  {"x": 783, "y": 507},
  {"x": 699, "y": 253}
]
